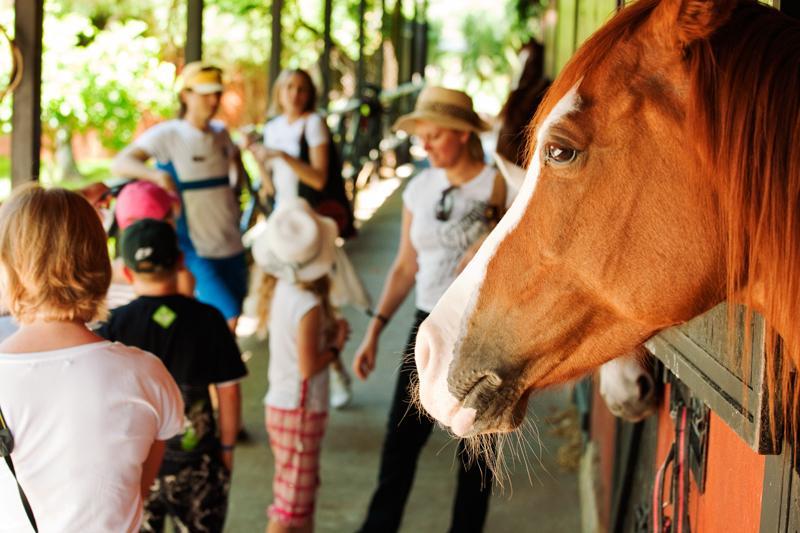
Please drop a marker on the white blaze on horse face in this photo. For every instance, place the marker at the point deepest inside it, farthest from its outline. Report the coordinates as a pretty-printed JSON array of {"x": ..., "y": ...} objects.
[{"x": 441, "y": 331}]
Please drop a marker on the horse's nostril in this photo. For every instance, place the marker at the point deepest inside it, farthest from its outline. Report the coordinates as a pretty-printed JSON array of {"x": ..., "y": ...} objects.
[
  {"x": 476, "y": 391},
  {"x": 645, "y": 386}
]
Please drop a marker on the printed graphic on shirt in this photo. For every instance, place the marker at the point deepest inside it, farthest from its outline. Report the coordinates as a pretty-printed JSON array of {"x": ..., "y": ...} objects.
[
  {"x": 164, "y": 316},
  {"x": 199, "y": 427},
  {"x": 440, "y": 244},
  {"x": 457, "y": 235}
]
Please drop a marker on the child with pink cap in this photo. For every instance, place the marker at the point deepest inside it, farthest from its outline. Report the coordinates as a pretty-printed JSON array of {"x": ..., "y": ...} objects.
[
  {"x": 138, "y": 200},
  {"x": 144, "y": 199}
]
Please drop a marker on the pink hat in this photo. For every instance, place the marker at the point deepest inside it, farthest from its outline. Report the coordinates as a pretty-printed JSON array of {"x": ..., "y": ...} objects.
[{"x": 143, "y": 199}]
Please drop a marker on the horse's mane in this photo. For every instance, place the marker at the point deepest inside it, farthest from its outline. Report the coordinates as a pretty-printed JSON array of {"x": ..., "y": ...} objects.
[
  {"x": 744, "y": 111},
  {"x": 521, "y": 105},
  {"x": 746, "y": 104}
]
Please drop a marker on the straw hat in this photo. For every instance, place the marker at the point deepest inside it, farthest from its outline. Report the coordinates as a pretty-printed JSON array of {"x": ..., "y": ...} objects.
[
  {"x": 296, "y": 244},
  {"x": 201, "y": 78},
  {"x": 445, "y": 107}
]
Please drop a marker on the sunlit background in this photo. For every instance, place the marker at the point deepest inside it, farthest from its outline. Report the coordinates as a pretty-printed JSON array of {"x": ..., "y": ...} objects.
[{"x": 108, "y": 66}]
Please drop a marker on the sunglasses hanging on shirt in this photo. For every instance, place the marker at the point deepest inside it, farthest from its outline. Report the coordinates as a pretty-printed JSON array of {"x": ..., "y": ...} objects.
[{"x": 444, "y": 207}]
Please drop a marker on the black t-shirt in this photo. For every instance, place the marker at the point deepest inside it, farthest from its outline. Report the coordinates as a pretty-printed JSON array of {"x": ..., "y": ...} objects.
[{"x": 198, "y": 349}]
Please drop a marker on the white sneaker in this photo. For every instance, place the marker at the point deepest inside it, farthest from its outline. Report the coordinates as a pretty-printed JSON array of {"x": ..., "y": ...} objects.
[{"x": 341, "y": 393}]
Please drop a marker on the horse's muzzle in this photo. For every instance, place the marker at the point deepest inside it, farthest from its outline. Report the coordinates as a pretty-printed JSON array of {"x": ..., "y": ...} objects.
[{"x": 494, "y": 401}]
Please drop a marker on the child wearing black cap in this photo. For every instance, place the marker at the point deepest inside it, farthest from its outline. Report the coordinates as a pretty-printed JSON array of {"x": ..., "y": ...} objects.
[{"x": 195, "y": 344}]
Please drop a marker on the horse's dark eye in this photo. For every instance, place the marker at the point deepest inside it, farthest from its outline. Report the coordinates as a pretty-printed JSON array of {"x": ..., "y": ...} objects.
[{"x": 559, "y": 155}]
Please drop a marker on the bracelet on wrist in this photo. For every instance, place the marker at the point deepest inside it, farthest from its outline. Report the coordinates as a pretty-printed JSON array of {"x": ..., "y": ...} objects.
[
  {"x": 227, "y": 447},
  {"x": 379, "y": 317}
]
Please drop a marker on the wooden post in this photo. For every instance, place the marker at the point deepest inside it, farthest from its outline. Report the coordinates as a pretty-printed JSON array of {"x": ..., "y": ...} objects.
[
  {"x": 408, "y": 48},
  {"x": 275, "y": 52},
  {"x": 360, "y": 72},
  {"x": 413, "y": 41},
  {"x": 397, "y": 36},
  {"x": 381, "y": 51},
  {"x": 405, "y": 34},
  {"x": 26, "y": 124},
  {"x": 194, "y": 31},
  {"x": 421, "y": 37},
  {"x": 325, "y": 66}
]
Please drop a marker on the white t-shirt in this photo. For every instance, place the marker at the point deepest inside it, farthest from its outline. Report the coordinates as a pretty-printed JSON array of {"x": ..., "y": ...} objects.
[
  {"x": 198, "y": 161},
  {"x": 279, "y": 134},
  {"x": 83, "y": 420},
  {"x": 441, "y": 244},
  {"x": 289, "y": 305}
]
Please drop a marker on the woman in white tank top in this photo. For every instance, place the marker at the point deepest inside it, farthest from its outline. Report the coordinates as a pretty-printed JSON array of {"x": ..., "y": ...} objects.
[
  {"x": 278, "y": 158},
  {"x": 447, "y": 210}
]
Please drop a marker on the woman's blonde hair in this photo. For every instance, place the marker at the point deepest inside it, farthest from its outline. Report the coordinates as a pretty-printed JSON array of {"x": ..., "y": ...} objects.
[
  {"x": 275, "y": 108},
  {"x": 321, "y": 287},
  {"x": 53, "y": 256}
]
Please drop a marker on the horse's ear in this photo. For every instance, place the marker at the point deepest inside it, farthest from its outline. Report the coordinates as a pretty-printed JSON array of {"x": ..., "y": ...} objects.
[{"x": 686, "y": 21}]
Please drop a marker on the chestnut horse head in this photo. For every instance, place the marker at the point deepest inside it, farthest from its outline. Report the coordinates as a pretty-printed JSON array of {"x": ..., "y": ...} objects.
[{"x": 664, "y": 178}]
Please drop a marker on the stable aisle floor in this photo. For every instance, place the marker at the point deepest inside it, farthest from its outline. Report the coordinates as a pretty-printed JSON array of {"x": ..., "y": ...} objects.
[{"x": 351, "y": 450}]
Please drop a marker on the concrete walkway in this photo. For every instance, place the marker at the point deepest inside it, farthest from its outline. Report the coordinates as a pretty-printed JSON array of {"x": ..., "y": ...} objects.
[{"x": 542, "y": 499}]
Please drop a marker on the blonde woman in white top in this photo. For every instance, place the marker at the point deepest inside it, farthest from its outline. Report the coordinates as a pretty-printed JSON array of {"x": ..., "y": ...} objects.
[
  {"x": 283, "y": 171},
  {"x": 89, "y": 417}
]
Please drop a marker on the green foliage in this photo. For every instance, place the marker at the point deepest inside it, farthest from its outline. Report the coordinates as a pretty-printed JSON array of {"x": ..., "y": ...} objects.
[
  {"x": 99, "y": 73},
  {"x": 236, "y": 33},
  {"x": 105, "y": 85},
  {"x": 493, "y": 40},
  {"x": 240, "y": 8},
  {"x": 109, "y": 64},
  {"x": 485, "y": 49},
  {"x": 523, "y": 14}
]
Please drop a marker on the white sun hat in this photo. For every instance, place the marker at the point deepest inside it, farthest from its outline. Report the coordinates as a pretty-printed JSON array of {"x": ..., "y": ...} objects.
[{"x": 296, "y": 244}]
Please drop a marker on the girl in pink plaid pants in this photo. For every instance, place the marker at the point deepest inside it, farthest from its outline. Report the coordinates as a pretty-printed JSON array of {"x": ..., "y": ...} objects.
[{"x": 296, "y": 254}]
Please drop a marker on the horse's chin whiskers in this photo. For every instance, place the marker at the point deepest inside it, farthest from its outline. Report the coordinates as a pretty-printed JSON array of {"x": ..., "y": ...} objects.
[
  {"x": 533, "y": 429},
  {"x": 496, "y": 448}
]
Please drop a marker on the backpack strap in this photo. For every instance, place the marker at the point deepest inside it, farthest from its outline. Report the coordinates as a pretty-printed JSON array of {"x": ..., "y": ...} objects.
[
  {"x": 496, "y": 207},
  {"x": 6, "y": 447},
  {"x": 305, "y": 149}
]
